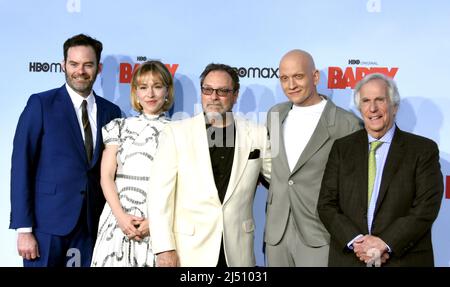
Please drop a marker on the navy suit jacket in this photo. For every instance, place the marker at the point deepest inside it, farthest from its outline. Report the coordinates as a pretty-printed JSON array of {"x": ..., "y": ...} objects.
[
  {"x": 50, "y": 173},
  {"x": 407, "y": 205}
]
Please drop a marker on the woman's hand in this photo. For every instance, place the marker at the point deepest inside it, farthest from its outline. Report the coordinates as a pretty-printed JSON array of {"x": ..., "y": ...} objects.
[
  {"x": 142, "y": 229},
  {"x": 128, "y": 224}
]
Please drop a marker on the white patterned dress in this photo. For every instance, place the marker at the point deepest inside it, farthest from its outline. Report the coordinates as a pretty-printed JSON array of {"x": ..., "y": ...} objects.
[{"x": 137, "y": 139}]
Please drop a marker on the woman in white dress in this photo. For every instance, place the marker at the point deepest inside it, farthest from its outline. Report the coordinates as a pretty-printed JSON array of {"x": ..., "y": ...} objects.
[{"x": 123, "y": 237}]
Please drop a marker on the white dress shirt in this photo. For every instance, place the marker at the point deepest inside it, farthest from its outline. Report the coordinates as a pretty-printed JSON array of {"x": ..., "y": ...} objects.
[{"x": 77, "y": 100}]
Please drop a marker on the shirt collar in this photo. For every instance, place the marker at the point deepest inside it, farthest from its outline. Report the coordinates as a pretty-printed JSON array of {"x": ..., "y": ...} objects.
[
  {"x": 77, "y": 100},
  {"x": 387, "y": 138},
  {"x": 313, "y": 108},
  {"x": 149, "y": 117}
]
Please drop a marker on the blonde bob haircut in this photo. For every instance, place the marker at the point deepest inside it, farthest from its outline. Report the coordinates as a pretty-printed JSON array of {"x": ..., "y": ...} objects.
[{"x": 159, "y": 70}]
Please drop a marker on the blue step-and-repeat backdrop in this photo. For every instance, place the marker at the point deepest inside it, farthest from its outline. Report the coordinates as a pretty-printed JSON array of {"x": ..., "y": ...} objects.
[{"x": 407, "y": 40}]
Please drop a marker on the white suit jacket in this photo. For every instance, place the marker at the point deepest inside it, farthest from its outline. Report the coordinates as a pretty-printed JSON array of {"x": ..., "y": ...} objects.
[{"x": 185, "y": 212}]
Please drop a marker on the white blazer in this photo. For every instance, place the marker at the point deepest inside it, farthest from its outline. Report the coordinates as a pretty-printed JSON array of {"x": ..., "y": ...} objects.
[{"x": 185, "y": 212}]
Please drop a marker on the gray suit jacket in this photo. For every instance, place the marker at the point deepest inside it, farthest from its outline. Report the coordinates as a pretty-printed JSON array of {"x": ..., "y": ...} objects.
[{"x": 298, "y": 191}]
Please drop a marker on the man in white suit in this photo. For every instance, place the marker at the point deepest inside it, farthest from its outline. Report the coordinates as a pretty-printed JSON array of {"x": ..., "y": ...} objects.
[{"x": 204, "y": 179}]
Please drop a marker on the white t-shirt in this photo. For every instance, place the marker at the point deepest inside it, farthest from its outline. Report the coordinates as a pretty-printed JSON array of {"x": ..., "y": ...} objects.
[{"x": 298, "y": 128}]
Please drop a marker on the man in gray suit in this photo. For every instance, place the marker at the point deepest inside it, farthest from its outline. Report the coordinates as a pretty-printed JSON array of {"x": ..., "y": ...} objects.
[{"x": 303, "y": 131}]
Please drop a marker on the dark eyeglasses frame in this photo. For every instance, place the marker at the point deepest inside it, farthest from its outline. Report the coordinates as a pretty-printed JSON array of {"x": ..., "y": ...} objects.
[{"x": 221, "y": 92}]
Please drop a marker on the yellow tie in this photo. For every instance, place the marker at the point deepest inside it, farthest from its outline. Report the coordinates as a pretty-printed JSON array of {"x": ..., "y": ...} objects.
[{"x": 372, "y": 168}]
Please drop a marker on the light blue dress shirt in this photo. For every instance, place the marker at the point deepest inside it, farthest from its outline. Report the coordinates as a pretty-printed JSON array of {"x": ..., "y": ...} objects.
[{"x": 380, "y": 158}]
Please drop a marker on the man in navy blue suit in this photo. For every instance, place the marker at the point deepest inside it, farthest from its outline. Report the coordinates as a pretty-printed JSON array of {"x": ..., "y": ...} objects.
[{"x": 56, "y": 198}]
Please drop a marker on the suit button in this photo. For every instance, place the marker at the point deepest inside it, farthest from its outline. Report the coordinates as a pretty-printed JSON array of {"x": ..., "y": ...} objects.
[{"x": 291, "y": 182}]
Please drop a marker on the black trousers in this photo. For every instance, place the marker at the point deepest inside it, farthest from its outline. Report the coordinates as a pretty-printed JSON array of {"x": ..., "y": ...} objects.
[{"x": 222, "y": 260}]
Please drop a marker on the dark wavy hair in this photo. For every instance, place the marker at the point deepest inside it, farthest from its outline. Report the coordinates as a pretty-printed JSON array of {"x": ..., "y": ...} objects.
[
  {"x": 222, "y": 67},
  {"x": 83, "y": 40}
]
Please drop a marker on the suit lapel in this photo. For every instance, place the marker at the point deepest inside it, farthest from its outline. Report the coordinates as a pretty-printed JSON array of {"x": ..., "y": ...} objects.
[
  {"x": 100, "y": 123},
  {"x": 74, "y": 126},
  {"x": 319, "y": 136},
  {"x": 360, "y": 156},
  {"x": 277, "y": 140},
  {"x": 393, "y": 160},
  {"x": 240, "y": 159}
]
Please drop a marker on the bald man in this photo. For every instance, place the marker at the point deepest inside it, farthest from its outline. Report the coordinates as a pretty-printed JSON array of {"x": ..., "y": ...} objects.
[{"x": 303, "y": 129}]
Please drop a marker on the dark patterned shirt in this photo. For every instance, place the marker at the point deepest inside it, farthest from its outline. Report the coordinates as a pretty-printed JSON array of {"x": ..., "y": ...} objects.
[{"x": 221, "y": 143}]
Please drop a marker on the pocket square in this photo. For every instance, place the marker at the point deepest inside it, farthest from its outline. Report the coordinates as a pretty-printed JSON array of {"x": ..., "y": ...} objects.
[{"x": 254, "y": 154}]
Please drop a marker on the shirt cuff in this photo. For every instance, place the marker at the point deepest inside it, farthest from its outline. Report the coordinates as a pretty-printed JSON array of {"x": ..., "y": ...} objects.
[
  {"x": 350, "y": 244},
  {"x": 25, "y": 230},
  {"x": 389, "y": 250}
]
